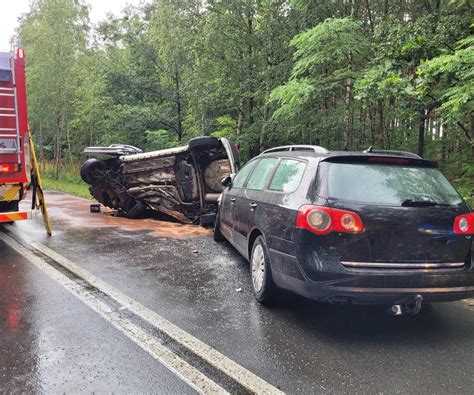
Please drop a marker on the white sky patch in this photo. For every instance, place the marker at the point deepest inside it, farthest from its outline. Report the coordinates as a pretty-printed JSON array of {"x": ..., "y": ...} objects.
[{"x": 10, "y": 11}]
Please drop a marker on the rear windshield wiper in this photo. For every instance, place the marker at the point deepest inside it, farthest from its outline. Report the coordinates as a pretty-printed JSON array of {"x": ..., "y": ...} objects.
[{"x": 421, "y": 203}]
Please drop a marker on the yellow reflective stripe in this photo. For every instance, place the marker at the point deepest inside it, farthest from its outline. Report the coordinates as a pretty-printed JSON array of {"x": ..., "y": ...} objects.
[{"x": 11, "y": 193}]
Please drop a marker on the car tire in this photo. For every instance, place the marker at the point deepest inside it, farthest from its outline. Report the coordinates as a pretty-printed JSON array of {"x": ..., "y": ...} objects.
[
  {"x": 202, "y": 143},
  {"x": 89, "y": 167},
  {"x": 137, "y": 210},
  {"x": 217, "y": 235},
  {"x": 262, "y": 283}
]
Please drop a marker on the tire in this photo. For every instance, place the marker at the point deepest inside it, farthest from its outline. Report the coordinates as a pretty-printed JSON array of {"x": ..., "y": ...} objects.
[
  {"x": 136, "y": 211},
  {"x": 207, "y": 220},
  {"x": 217, "y": 235},
  {"x": 89, "y": 167},
  {"x": 202, "y": 143},
  {"x": 261, "y": 273}
]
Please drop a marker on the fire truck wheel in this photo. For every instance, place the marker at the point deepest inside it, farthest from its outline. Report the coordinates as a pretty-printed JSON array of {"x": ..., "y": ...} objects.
[
  {"x": 89, "y": 167},
  {"x": 202, "y": 143}
]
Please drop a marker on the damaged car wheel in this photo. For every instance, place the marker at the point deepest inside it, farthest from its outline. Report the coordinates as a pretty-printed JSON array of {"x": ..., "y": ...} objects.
[
  {"x": 204, "y": 142},
  {"x": 89, "y": 168}
]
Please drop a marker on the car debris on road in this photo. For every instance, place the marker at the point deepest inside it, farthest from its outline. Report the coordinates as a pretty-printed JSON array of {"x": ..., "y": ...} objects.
[{"x": 183, "y": 183}]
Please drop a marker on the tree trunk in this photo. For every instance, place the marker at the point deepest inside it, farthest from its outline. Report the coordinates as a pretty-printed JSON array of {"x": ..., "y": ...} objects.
[
  {"x": 372, "y": 115},
  {"x": 444, "y": 145},
  {"x": 69, "y": 148},
  {"x": 379, "y": 136},
  {"x": 251, "y": 105},
  {"x": 57, "y": 147},
  {"x": 421, "y": 133},
  {"x": 362, "y": 118},
  {"x": 369, "y": 15},
  {"x": 240, "y": 119},
  {"x": 41, "y": 145},
  {"x": 179, "y": 119},
  {"x": 266, "y": 112}
]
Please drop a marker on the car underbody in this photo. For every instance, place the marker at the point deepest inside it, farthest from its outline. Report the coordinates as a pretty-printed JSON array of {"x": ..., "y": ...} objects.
[{"x": 183, "y": 183}]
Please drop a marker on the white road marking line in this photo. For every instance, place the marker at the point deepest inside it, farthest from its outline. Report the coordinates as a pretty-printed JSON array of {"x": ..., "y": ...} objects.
[
  {"x": 241, "y": 375},
  {"x": 152, "y": 346}
]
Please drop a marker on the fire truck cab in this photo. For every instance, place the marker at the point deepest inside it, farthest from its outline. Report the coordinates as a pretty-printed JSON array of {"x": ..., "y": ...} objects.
[{"x": 15, "y": 160}]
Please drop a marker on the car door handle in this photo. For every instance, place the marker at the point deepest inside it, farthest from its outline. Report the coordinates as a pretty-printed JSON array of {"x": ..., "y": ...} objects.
[
  {"x": 253, "y": 206},
  {"x": 232, "y": 200}
]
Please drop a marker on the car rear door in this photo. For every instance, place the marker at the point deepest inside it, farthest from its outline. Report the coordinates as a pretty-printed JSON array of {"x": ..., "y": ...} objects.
[{"x": 408, "y": 212}]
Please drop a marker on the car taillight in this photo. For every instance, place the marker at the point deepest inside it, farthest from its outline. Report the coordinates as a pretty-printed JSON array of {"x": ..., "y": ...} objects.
[
  {"x": 8, "y": 167},
  {"x": 323, "y": 220},
  {"x": 464, "y": 224}
]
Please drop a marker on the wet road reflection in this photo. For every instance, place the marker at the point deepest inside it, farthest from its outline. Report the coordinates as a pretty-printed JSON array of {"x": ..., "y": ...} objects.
[
  {"x": 18, "y": 341},
  {"x": 299, "y": 345},
  {"x": 50, "y": 342}
]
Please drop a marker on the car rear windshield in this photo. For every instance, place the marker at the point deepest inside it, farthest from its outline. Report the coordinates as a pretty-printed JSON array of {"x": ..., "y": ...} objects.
[{"x": 390, "y": 185}]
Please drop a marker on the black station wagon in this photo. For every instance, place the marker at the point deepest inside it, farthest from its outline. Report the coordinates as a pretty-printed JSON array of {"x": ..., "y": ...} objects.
[{"x": 376, "y": 227}]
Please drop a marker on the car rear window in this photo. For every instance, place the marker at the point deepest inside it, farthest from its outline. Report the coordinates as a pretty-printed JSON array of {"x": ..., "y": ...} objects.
[
  {"x": 389, "y": 184},
  {"x": 287, "y": 176},
  {"x": 261, "y": 173}
]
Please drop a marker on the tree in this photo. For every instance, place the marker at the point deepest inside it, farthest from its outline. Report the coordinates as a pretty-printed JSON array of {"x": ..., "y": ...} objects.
[{"x": 54, "y": 35}]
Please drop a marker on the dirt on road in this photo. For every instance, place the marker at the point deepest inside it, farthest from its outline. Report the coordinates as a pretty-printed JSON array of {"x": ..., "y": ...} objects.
[{"x": 75, "y": 211}]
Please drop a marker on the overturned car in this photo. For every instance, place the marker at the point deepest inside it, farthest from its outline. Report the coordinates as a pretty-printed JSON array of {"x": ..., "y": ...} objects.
[{"x": 184, "y": 183}]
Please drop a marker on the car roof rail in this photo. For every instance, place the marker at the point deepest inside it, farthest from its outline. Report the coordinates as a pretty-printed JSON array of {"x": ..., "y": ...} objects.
[
  {"x": 406, "y": 154},
  {"x": 292, "y": 148}
]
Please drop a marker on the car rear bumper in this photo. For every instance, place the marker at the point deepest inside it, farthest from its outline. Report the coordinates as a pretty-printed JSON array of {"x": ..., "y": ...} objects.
[{"x": 378, "y": 289}]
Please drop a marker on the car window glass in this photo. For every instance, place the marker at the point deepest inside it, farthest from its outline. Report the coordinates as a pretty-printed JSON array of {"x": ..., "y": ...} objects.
[
  {"x": 288, "y": 175},
  {"x": 385, "y": 184},
  {"x": 260, "y": 175},
  {"x": 241, "y": 176}
]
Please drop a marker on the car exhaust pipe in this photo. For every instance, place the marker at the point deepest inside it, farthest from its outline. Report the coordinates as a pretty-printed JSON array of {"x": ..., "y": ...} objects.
[{"x": 407, "y": 309}]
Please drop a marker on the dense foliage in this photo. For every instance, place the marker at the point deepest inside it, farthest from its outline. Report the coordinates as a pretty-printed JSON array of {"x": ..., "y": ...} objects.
[{"x": 346, "y": 74}]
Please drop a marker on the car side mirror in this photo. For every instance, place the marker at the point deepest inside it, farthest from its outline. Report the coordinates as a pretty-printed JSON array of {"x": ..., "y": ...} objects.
[{"x": 227, "y": 181}]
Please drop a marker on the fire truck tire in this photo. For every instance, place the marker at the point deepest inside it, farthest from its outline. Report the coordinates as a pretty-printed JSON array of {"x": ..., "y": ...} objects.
[
  {"x": 204, "y": 142},
  {"x": 136, "y": 211},
  {"x": 89, "y": 167}
]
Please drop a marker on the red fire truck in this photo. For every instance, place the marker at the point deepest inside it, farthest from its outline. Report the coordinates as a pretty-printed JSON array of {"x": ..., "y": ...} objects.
[{"x": 15, "y": 156}]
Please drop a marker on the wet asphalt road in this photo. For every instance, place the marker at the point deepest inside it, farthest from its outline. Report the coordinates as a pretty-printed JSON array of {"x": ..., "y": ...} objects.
[{"x": 50, "y": 341}]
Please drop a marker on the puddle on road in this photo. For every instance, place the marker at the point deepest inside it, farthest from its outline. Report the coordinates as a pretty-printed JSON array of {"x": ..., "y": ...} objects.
[{"x": 75, "y": 211}]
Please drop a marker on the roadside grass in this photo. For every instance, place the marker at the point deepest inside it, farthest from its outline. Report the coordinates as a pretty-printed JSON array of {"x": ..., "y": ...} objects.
[{"x": 68, "y": 181}]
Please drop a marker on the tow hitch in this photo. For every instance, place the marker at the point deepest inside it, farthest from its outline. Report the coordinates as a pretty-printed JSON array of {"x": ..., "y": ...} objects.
[{"x": 408, "y": 309}]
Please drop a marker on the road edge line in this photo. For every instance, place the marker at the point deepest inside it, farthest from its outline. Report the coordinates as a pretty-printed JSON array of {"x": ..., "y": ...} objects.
[
  {"x": 232, "y": 369},
  {"x": 186, "y": 372}
]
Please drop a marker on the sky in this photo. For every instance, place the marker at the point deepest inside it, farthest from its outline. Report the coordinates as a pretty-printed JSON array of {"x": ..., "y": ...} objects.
[{"x": 11, "y": 10}]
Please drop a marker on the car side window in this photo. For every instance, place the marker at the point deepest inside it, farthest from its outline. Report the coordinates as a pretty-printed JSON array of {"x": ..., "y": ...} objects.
[
  {"x": 241, "y": 176},
  {"x": 261, "y": 173},
  {"x": 287, "y": 176}
]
